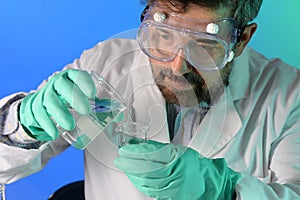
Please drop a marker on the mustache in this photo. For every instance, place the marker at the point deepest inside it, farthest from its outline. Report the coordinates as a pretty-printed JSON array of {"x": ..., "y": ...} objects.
[{"x": 190, "y": 77}]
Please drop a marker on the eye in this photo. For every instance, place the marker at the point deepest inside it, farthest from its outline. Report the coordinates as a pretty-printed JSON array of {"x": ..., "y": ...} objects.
[
  {"x": 165, "y": 36},
  {"x": 161, "y": 35}
]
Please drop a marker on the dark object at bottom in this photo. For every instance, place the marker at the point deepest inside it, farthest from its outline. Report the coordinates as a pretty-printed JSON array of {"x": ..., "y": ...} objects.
[{"x": 71, "y": 191}]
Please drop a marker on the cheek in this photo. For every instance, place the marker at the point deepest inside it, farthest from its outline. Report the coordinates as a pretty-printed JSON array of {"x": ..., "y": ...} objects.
[
  {"x": 157, "y": 66},
  {"x": 211, "y": 78}
]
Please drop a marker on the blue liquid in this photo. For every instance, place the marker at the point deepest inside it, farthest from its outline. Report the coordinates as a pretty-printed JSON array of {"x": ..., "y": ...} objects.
[{"x": 104, "y": 111}]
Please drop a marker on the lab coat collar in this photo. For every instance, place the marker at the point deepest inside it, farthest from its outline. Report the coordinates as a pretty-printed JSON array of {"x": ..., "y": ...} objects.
[
  {"x": 222, "y": 121},
  {"x": 218, "y": 127},
  {"x": 239, "y": 77}
]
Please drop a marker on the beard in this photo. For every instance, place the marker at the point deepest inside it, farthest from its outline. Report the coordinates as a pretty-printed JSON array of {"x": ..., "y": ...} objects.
[{"x": 191, "y": 88}]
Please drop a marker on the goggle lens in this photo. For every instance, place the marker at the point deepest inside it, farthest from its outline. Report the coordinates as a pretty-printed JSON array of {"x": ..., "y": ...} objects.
[
  {"x": 203, "y": 51},
  {"x": 205, "y": 43}
]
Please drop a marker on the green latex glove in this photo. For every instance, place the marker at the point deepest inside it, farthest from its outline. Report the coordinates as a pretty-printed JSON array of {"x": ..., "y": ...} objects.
[
  {"x": 73, "y": 87},
  {"x": 168, "y": 171}
]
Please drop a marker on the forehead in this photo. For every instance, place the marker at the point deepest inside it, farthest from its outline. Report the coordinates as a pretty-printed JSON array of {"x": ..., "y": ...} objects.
[
  {"x": 193, "y": 11},
  {"x": 194, "y": 18}
]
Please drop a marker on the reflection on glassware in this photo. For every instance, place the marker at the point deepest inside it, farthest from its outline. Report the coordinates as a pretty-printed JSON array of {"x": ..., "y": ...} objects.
[
  {"x": 2, "y": 192},
  {"x": 108, "y": 106},
  {"x": 131, "y": 130}
]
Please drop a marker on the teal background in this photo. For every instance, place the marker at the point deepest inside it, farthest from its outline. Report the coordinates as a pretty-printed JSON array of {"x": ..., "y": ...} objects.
[
  {"x": 38, "y": 37},
  {"x": 278, "y": 31}
]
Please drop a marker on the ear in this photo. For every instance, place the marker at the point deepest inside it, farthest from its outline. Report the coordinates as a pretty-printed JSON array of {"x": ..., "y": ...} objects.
[
  {"x": 245, "y": 38},
  {"x": 144, "y": 13}
]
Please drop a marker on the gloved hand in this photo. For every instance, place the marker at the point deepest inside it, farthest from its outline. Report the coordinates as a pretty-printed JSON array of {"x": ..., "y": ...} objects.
[
  {"x": 168, "y": 171},
  {"x": 71, "y": 86}
]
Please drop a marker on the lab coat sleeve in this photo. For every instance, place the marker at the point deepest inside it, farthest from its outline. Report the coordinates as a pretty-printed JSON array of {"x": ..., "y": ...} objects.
[
  {"x": 284, "y": 165},
  {"x": 20, "y": 155},
  {"x": 249, "y": 188}
]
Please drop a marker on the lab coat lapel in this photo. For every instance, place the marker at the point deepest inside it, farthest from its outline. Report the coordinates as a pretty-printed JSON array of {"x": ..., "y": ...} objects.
[
  {"x": 220, "y": 124},
  {"x": 149, "y": 105},
  {"x": 151, "y": 110}
]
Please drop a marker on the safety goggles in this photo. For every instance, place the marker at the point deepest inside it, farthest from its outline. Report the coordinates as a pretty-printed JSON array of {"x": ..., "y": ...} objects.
[{"x": 205, "y": 44}]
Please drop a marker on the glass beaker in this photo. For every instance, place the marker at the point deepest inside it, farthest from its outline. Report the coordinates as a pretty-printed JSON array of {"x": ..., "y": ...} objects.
[
  {"x": 131, "y": 130},
  {"x": 107, "y": 106}
]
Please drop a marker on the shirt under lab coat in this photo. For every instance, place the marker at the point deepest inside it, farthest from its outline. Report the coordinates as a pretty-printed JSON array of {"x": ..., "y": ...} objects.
[{"x": 255, "y": 126}]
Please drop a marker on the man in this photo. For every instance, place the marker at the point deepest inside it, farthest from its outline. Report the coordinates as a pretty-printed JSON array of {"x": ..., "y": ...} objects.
[{"x": 223, "y": 119}]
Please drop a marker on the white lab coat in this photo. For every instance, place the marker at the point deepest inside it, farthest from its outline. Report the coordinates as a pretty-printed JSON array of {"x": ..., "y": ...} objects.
[{"x": 255, "y": 126}]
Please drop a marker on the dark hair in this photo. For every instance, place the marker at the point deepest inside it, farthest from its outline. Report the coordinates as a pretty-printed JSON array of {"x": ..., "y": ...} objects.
[{"x": 243, "y": 11}]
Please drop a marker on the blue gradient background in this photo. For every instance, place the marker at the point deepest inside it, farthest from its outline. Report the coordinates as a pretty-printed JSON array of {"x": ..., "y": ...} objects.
[{"x": 38, "y": 37}]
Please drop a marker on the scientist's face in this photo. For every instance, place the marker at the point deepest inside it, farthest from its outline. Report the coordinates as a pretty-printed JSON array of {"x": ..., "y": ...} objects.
[{"x": 177, "y": 78}]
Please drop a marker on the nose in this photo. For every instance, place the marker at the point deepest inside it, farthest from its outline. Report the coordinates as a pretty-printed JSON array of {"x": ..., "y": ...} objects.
[{"x": 179, "y": 63}]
